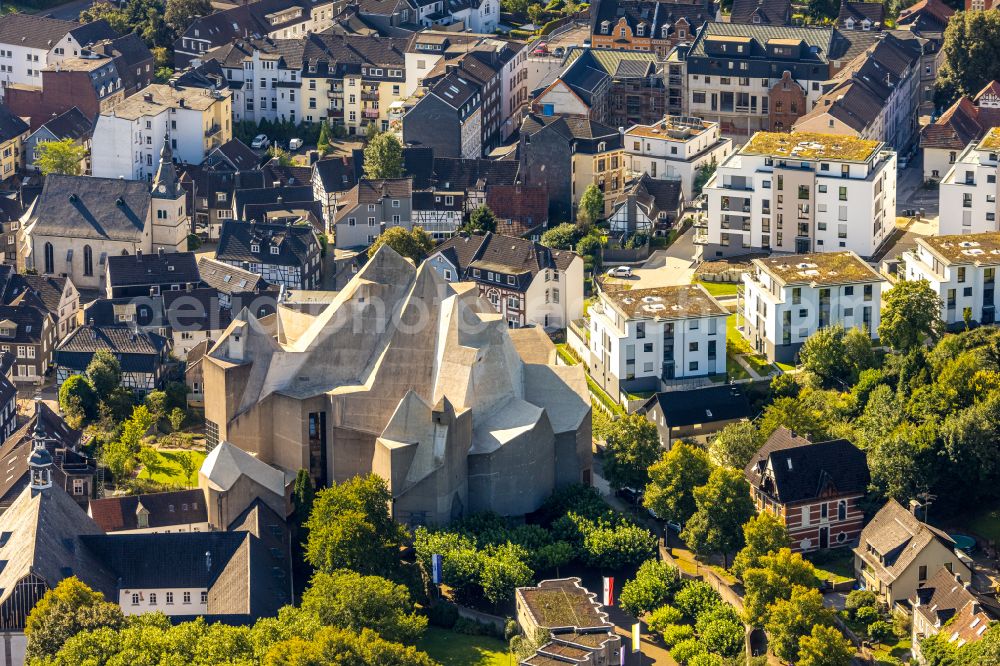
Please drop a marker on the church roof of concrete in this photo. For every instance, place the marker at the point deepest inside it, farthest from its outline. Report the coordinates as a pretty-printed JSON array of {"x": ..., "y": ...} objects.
[{"x": 227, "y": 463}]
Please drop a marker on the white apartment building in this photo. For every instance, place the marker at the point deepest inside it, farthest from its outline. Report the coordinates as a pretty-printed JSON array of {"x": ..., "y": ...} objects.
[
  {"x": 644, "y": 337},
  {"x": 968, "y": 192},
  {"x": 675, "y": 149},
  {"x": 785, "y": 299},
  {"x": 128, "y": 138},
  {"x": 962, "y": 270},
  {"x": 801, "y": 192}
]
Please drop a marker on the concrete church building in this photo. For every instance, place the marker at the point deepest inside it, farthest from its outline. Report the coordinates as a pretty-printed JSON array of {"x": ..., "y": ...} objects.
[{"x": 409, "y": 377}]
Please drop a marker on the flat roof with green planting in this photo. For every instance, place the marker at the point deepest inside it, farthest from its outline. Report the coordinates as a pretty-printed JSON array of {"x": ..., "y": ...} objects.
[
  {"x": 983, "y": 248},
  {"x": 811, "y": 146},
  {"x": 818, "y": 268},
  {"x": 563, "y": 603}
]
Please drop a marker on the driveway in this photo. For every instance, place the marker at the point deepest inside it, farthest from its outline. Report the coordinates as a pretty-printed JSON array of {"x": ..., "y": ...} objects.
[
  {"x": 911, "y": 193},
  {"x": 667, "y": 267},
  {"x": 68, "y": 12}
]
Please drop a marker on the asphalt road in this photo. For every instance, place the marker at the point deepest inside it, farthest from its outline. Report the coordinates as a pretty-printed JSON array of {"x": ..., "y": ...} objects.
[{"x": 70, "y": 11}]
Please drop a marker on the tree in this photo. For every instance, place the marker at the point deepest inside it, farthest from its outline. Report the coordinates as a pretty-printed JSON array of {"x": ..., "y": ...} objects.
[
  {"x": 794, "y": 414},
  {"x": 63, "y": 612},
  {"x": 283, "y": 157},
  {"x": 653, "y": 586},
  {"x": 970, "y": 55},
  {"x": 104, "y": 372},
  {"x": 323, "y": 144},
  {"x": 413, "y": 244},
  {"x": 633, "y": 444},
  {"x": 590, "y": 246},
  {"x": 824, "y": 354},
  {"x": 695, "y": 598},
  {"x": 772, "y": 580},
  {"x": 350, "y": 528},
  {"x": 181, "y": 13},
  {"x": 177, "y": 417},
  {"x": 482, "y": 219},
  {"x": 349, "y": 600},
  {"x": 119, "y": 459},
  {"x": 822, "y": 9},
  {"x": 64, "y": 156},
  {"x": 185, "y": 459},
  {"x": 763, "y": 534},
  {"x": 591, "y": 207},
  {"x": 672, "y": 480},
  {"x": 936, "y": 651},
  {"x": 384, "y": 157},
  {"x": 735, "y": 445},
  {"x": 77, "y": 400},
  {"x": 136, "y": 427},
  {"x": 149, "y": 459},
  {"x": 333, "y": 645},
  {"x": 535, "y": 11},
  {"x": 303, "y": 496},
  {"x": 723, "y": 506},
  {"x": 156, "y": 402},
  {"x": 705, "y": 173},
  {"x": 791, "y": 619},
  {"x": 503, "y": 570},
  {"x": 824, "y": 646},
  {"x": 561, "y": 237},
  {"x": 911, "y": 313}
]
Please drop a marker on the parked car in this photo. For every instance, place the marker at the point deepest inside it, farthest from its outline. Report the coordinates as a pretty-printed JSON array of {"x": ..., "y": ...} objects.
[
  {"x": 558, "y": 52},
  {"x": 620, "y": 272},
  {"x": 629, "y": 495},
  {"x": 260, "y": 142},
  {"x": 294, "y": 144},
  {"x": 541, "y": 49}
]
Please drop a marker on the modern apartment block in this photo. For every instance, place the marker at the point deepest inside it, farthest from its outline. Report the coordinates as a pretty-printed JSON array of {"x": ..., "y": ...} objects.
[
  {"x": 785, "y": 299},
  {"x": 962, "y": 270},
  {"x": 640, "y": 338},
  {"x": 968, "y": 192},
  {"x": 675, "y": 148},
  {"x": 801, "y": 192}
]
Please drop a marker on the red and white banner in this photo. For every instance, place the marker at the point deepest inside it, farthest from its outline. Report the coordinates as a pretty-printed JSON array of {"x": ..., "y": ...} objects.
[{"x": 609, "y": 591}]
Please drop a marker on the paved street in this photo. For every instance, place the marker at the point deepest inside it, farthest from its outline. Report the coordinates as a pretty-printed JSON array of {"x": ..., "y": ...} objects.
[
  {"x": 910, "y": 192},
  {"x": 70, "y": 11}
]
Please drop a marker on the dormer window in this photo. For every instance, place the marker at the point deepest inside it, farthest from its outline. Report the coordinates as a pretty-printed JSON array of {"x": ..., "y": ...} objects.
[
  {"x": 605, "y": 26},
  {"x": 274, "y": 249},
  {"x": 640, "y": 29},
  {"x": 254, "y": 247},
  {"x": 866, "y": 25},
  {"x": 756, "y": 18},
  {"x": 7, "y": 331},
  {"x": 849, "y": 24},
  {"x": 665, "y": 30}
]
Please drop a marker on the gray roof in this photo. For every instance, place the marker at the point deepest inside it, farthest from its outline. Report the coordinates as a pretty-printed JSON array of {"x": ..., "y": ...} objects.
[
  {"x": 227, "y": 463},
  {"x": 72, "y": 124},
  {"x": 147, "y": 269},
  {"x": 91, "y": 208},
  {"x": 11, "y": 126},
  {"x": 227, "y": 279},
  {"x": 32, "y": 31},
  {"x": 899, "y": 537}
]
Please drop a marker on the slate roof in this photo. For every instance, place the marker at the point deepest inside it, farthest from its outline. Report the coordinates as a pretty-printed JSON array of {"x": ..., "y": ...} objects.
[
  {"x": 196, "y": 310},
  {"x": 287, "y": 194},
  {"x": 926, "y": 16},
  {"x": 821, "y": 45},
  {"x": 286, "y": 175},
  {"x": 294, "y": 243},
  {"x": 180, "y": 507},
  {"x": 30, "y": 321},
  {"x": 146, "y": 311},
  {"x": 770, "y": 12},
  {"x": 584, "y": 133},
  {"x": 801, "y": 470},
  {"x": 652, "y": 195},
  {"x": 946, "y": 602},
  {"x": 226, "y": 463},
  {"x": 153, "y": 269},
  {"x": 138, "y": 351},
  {"x": 95, "y": 31},
  {"x": 86, "y": 207},
  {"x": 898, "y": 536},
  {"x": 859, "y": 11},
  {"x": 336, "y": 174},
  {"x": 237, "y": 154},
  {"x": 462, "y": 174},
  {"x": 72, "y": 124},
  {"x": 652, "y": 13},
  {"x": 215, "y": 274},
  {"x": 701, "y": 405},
  {"x": 32, "y": 31},
  {"x": 48, "y": 290},
  {"x": 508, "y": 255},
  {"x": 11, "y": 126}
]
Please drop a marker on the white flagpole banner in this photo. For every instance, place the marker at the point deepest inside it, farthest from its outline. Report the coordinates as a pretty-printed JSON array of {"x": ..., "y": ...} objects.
[
  {"x": 636, "y": 637},
  {"x": 609, "y": 591}
]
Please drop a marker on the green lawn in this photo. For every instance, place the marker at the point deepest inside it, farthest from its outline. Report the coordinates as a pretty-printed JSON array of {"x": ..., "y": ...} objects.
[
  {"x": 892, "y": 652},
  {"x": 720, "y": 288},
  {"x": 735, "y": 370},
  {"x": 985, "y": 523},
  {"x": 453, "y": 649},
  {"x": 566, "y": 354},
  {"x": 168, "y": 469},
  {"x": 836, "y": 565}
]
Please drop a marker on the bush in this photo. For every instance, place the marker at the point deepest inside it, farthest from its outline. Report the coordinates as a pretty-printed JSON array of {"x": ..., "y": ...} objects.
[
  {"x": 687, "y": 650},
  {"x": 676, "y": 633},
  {"x": 654, "y": 584},
  {"x": 472, "y": 628},
  {"x": 860, "y": 599},
  {"x": 722, "y": 635},
  {"x": 663, "y": 617},
  {"x": 695, "y": 598},
  {"x": 442, "y": 615},
  {"x": 879, "y": 630},
  {"x": 707, "y": 659},
  {"x": 866, "y": 615}
]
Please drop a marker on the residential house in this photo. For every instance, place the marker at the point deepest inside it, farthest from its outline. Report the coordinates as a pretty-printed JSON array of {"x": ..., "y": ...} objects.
[
  {"x": 675, "y": 148},
  {"x": 332, "y": 178},
  {"x": 761, "y": 12},
  {"x": 13, "y": 133},
  {"x": 814, "y": 488},
  {"x": 72, "y": 125},
  {"x": 785, "y": 299},
  {"x": 947, "y": 604},
  {"x": 654, "y": 26},
  {"x": 193, "y": 316},
  {"x": 861, "y": 15},
  {"x": 749, "y": 77},
  {"x": 801, "y": 192},
  {"x": 56, "y": 295},
  {"x": 194, "y": 374},
  {"x": 569, "y": 154},
  {"x": 232, "y": 283},
  {"x": 926, "y": 22},
  {"x": 284, "y": 255},
  {"x": 210, "y": 192},
  {"x": 448, "y": 118},
  {"x": 127, "y": 137},
  {"x": 28, "y": 331},
  {"x": 142, "y": 355},
  {"x": 643, "y": 338},
  {"x": 526, "y": 282},
  {"x": 107, "y": 217},
  {"x": 372, "y": 207},
  {"x": 968, "y": 192},
  {"x": 695, "y": 413},
  {"x": 438, "y": 215},
  {"x": 965, "y": 122},
  {"x": 151, "y": 513},
  {"x": 898, "y": 553},
  {"x": 874, "y": 97},
  {"x": 520, "y": 210},
  {"x": 151, "y": 275},
  {"x": 962, "y": 270},
  {"x": 648, "y": 206},
  {"x": 8, "y": 396}
]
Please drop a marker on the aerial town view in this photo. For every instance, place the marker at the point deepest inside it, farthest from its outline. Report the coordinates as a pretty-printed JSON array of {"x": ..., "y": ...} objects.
[{"x": 499, "y": 333}]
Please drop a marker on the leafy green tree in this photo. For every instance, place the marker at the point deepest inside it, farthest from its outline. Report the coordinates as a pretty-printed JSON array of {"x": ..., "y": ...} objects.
[
  {"x": 117, "y": 406},
  {"x": 735, "y": 445},
  {"x": 723, "y": 506},
  {"x": 822, "y": 9},
  {"x": 350, "y": 528},
  {"x": 911, "y": 313},
  {"x": 591, "y": 207},
  {"x": 688, "y": 650},
  {"x": 824, "y": 353},
  {"x": 64, "y": 156},
  {"x": 384, "y": 157},
  {"x": 323, "y": 144},
  {"x": 77, "y": 400},
  {"x": 825, "y": 646},
  {"x": 633, "y": 444},
  {"x": 590, "y": 246},
  {"x": 784, "y": 386},
  {"x": 969, "y": 54},
  {"x": 615, "y": 545},
  {"x": 663, "y": 617},
  {"x": 104, "y": 372},
  {"x": 707, "y": 659},
  {"x": 723, "y": 636},
  {"x": 772, "y": 580},
  {"x": 349, "y": 600},
  {"x": 149, "y": 459},
  {"x": 156, "y": 403},
  {"x": 857, "y": 599},
  {"x": 503, "y": 570},
  {"x": 794, "y": 414},
  {"x": 303, "y": 496},
  {"x": 63, "y": 612},
  {"x": 186, "y": 461},
  {"x": 181, "y": 13},
  {"x": 984, "y": 651},
  {"x": 482, "y": 219},
  {"x": 283, "y": 157},
  {"x": 177, "y": 418},
  {"x": 705, "y": 173},
  {"x": 653, "y": 586},
  {"x": 673, "y": 634},
  {"x": 695, "y": 598},
  {"x": 791, "y": 619},
  {"x": 561, "y": 237},
  {"x": 414, "y": 244},
  {"x": 859, "y": 352},
  {"x": 672, "y": 480},
  {"x": 763, "y": 534},
  {"x": 333, "y": 645},
  {"x": 136, "y": 427}
]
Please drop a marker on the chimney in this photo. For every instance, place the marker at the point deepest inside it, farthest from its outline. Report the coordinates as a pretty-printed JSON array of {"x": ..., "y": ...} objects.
[
  {"x": 208, "y": 561},
  {"x": 160, "y": 251},
  {"x": 914, "y": 506},
  {"x": 138, "y": 256},
  {"x": 147, "y": 97}
]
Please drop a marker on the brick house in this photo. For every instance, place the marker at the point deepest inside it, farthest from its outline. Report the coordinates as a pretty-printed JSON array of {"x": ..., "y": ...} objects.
[{"x": 814, "y": 488}]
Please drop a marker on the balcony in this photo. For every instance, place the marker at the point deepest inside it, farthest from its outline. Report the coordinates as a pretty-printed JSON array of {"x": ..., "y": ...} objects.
[
  {"x": 213, "y": 130},
  {"x": 370, "y": 113},
  {"x": 370, "y": 96}
]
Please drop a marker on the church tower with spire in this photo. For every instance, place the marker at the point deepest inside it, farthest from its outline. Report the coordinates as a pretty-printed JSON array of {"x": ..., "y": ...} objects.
[
  {"x": 40, "y": 461},
  {"x": 171, "y": 224}
]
